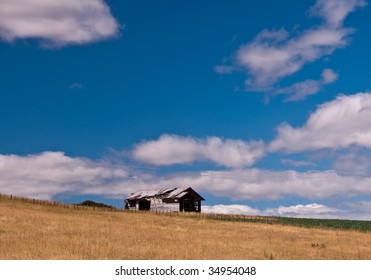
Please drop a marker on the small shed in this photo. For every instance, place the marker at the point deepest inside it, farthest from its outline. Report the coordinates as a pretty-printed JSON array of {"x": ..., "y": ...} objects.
[{"x": 168, "y": 199}]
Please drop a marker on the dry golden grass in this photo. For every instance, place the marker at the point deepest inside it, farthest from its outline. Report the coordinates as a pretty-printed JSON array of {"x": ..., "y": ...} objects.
[{"x": 29, "y": 231}]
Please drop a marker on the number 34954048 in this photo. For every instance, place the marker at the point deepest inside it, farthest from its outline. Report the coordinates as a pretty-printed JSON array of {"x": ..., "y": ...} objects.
[{"x": 221, "y": 270}]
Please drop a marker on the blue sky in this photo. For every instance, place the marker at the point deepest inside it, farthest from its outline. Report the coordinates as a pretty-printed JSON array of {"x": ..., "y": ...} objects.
[{"x": 260, "y": 106}]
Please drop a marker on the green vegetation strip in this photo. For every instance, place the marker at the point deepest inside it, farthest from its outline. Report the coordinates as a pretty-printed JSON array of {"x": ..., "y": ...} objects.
[{"x": 364, "y": 226}]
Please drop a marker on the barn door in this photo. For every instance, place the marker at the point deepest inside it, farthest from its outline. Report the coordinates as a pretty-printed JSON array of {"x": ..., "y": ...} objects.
[
  {"x": 144, "y": 205},
  {"x": 187, "y": 205}
]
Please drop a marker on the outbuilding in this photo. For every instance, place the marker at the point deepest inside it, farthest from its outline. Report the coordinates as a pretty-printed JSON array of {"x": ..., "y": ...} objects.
[{"x": 167, "y": 199}]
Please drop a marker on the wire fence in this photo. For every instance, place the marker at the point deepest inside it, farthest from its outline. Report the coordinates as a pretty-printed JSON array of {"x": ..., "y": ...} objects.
[{"x": 211, "y": 216}]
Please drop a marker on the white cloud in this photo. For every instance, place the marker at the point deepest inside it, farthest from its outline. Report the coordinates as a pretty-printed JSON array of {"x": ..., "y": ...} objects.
[
  {"x": 231, "y": 209},
  {"x": 258, "y": 184},
  {"x": 274, "y": 55},
  {"x": 57, "y": 23},
  {"x": 335, "y": 11},
  {"x": 313, "y": 210},
  {"x": 329, "y": 76},
  {"x": 47, "y": 174},
  {"x": 50, "y": 173},
  {"x": 301, "y": 90},
  {"x": 268, "y": 62},
  {"x": 340, "y": 123},
  {"x": 173, "y": 149}
]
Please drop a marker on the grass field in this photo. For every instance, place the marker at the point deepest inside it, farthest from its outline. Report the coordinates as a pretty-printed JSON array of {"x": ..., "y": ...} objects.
[{"x": 36, "y": 231}]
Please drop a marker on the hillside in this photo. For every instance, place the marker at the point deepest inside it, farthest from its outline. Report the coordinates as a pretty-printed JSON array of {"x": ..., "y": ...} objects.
[{"x": 41, "y": 230}]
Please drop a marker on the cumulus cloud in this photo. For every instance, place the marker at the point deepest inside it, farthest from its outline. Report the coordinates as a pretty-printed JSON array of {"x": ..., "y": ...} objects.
[
  {"x": 50, "y": 173},
  {"x": 313, "y": 210},
  {"x": 231, "y": 209},
  {"x": 354, "y": 211},
  {"x": 57, "y": 23},
  {"x": 258, "y": 184},
  {"x": 340, "y": 123},
  {"x": 173, "y": 149},
  {"x": 47, "y": 174},
  {"x": 275, "y": 54}
]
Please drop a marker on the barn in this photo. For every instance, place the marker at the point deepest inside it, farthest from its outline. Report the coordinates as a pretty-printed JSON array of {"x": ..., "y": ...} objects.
[{"x": 168, "y": 199}]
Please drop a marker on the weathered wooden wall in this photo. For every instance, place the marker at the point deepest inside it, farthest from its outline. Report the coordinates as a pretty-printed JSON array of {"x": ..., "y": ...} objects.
[{"x": 159, "y": 205}]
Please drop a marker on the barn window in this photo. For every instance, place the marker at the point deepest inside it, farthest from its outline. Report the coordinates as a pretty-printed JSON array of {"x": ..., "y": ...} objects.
[{"x": 132, "y": 203}]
